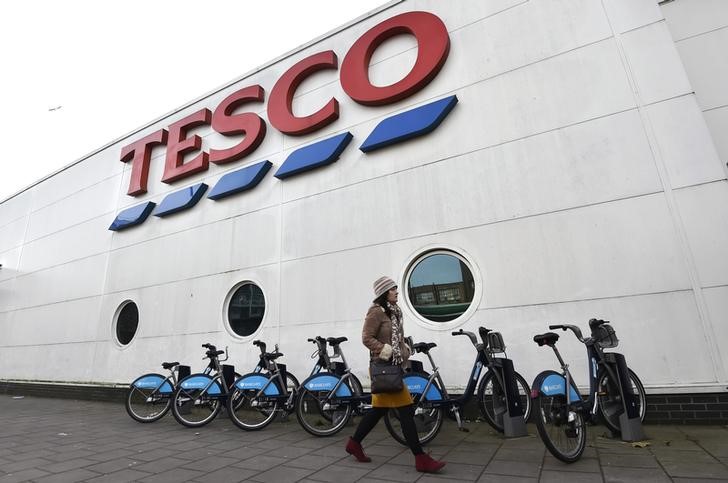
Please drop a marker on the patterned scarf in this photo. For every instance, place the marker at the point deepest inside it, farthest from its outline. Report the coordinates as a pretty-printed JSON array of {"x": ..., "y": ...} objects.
[{"x": 397, "y": 336}]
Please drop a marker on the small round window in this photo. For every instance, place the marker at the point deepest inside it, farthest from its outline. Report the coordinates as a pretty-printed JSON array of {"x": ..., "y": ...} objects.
[
  {"x": 440, "y": 286},
  {"x": 127, "y": 321},
  {"x": 246, "y": 309}
]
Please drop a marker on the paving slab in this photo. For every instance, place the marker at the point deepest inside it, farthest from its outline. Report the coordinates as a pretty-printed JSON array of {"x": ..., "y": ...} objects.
[{"x": 47, "y": 440}]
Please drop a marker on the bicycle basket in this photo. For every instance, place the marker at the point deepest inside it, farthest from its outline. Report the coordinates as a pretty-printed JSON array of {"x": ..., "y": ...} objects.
[
  {"x": 414, "y": 366},
  {"x": 495, "y": 342},
  {"x": 338, "y": 368},
  {"x": 605, "y": 336}
]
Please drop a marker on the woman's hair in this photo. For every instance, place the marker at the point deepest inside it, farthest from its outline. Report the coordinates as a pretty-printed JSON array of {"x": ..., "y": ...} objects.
[{"x": 382, "y": 302}]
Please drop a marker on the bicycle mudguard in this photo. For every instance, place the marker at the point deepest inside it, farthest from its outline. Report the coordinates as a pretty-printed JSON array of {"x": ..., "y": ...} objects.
[
  {"x": 154, "y": 381},
  {"x": 257, "y": 381},
  {"x": 551, "y": 383},
  {"x": 416, "y": 382},
  {"x": 325, "y": 381},
  {"x": 201, "y": 381}
]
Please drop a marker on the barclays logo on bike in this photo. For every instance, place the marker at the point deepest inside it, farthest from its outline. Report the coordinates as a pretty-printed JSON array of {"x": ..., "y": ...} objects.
[
  {"x": 249, "y": 385},
  {"x": 319, "y": 385},
  {"x": 146, "y": 384},
  {"x": 193, "y": 385}
]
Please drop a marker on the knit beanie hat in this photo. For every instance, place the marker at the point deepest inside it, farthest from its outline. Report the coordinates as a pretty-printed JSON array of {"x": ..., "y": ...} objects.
[{"x": 382, "y": 285}]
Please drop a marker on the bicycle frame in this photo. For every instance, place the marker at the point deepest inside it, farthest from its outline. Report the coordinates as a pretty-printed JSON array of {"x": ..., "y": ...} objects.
[
  {"x": 481, "y": 360},
  {"x": 325, "y": 361},
  {"x": 596, "y": 358},
  {"x": 437, "y": 396},
  {"x": 329, "y": 380},
  {"x": 263, "y": 383},
  {"x": 214, "y": 374}
]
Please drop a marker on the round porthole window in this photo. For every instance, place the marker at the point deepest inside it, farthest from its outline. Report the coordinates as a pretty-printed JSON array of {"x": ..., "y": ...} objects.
[
  {"x": 245, "y": 310},
  {"x": 127, "y": 321},
  {"x": 440, "y": 286}
]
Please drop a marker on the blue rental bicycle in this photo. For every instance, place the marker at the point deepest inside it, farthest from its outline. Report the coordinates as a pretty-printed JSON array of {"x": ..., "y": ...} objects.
[
  {"x": 330, "y": 395},
  {"x": 150, "y": 396},
  {"x": 503, "y": 394},
  {"x": 615, "y": 392},
  {"x": 198, "y": 398},
  {"x": 258, "y": 396}
]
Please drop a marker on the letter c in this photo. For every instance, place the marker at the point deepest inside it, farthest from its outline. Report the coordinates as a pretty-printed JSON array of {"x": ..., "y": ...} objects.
[{"x": 280, "y": 112}]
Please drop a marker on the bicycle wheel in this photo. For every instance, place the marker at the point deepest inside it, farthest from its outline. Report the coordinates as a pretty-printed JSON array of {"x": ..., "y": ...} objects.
[
  {"x": 492, "y": 399},
  {"x": 194, "y": 407},
  {"x": 610, "y": 399},
  {"x": 428, "y": 421},
  {"x": 249, "y": 411},
  {"x": 562, "y": 430},
  {"x": 320, "y": 415},
  {"x": 147, "y": 405}
]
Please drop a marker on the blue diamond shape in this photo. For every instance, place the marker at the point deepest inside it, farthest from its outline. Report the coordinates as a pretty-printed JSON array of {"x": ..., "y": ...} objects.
[
  {"x": 240, "y": 180},
  {"x": 314, "y": 155},
  {"x": 407, "y": 125},
  {"x": 180, "y": 200},
  {"x": 132, "y": 216}
]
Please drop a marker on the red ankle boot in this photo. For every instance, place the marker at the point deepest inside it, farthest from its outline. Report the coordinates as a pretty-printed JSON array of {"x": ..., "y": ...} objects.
[
  {"x": 355, "y": 449},
  {"x": 425, "y": 463}
]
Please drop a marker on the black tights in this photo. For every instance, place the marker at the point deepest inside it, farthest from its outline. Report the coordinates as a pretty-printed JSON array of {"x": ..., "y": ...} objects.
[{"x": 406, "y": 418}]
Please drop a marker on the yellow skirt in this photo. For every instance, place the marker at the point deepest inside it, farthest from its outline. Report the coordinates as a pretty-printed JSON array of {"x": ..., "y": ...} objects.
[{"x": 392, "y": 399}]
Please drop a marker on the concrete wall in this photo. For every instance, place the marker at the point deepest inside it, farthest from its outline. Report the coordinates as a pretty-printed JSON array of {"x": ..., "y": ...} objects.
[{"x": 576, "y": 175}]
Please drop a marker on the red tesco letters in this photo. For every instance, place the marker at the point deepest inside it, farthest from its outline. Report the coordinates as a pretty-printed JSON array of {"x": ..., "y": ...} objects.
[{"x": 433, "y": 44}]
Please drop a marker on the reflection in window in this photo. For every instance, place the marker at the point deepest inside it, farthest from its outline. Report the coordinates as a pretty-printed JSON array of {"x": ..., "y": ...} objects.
[
  {"x": 127, "y": 323},
  {"x": 441, "y": 286},
  {"x": 246, "y": 309}
]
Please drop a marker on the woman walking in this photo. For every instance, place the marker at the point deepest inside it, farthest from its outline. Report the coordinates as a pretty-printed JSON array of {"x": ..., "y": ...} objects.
[{"x": 384, "y": 337}]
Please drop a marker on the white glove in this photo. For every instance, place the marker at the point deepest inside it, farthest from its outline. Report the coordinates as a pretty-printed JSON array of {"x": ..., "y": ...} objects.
[{"x": 386, "y": 353}]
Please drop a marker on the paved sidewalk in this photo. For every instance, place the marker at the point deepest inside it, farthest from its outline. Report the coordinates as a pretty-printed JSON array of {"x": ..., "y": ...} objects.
[{"x": 53, "y": 440}]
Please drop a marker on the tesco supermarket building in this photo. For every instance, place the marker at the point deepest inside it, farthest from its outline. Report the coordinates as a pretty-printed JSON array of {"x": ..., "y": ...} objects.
[{"x": 510, "y": 163}]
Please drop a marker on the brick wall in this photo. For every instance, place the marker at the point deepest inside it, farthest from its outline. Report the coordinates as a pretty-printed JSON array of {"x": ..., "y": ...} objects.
[
  {"x": 61, "y": 391},
  {"x": 687, "y": 408}
]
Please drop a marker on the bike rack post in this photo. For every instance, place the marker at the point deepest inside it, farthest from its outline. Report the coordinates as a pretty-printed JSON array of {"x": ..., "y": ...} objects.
[
  {"x": 228, "y": 373},
  {"x": 630, "y": 424},
  {"x": 513, "y": 424},
  {"x": 182, "y": 372}
]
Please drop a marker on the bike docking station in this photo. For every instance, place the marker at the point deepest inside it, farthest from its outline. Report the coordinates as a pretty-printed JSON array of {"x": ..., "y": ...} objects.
[
  {"x": 630, "y": 424},
  {"x": 514, "y": 425}
]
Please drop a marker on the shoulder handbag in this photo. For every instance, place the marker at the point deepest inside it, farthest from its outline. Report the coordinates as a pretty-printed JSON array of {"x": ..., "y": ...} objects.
[{"x": 386, "y": 377}]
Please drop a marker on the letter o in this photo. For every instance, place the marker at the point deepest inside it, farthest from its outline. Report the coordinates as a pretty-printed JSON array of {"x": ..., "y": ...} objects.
[{"x": 433, "y": 45}]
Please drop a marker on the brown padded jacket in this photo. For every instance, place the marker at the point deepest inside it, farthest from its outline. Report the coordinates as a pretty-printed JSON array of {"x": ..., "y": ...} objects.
[{"x": 377, "y": 331}]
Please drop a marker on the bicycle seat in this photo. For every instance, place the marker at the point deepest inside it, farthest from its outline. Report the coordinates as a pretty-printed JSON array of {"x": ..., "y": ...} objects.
[
  {"x": 549, "y": 338},
  {"x": 169, "y": 365},
  {"x": 336, "y": 340},
  {"x": 423, "y": 346}
]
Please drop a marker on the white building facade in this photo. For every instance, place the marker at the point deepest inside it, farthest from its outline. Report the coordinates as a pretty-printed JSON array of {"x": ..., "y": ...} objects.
[{"x": 578, "y": 171}]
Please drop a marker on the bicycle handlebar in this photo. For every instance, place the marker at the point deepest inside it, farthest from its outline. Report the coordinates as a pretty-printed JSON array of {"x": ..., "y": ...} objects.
[
  {"x": 473, "y": 339},
  {"x": 576, "y": 330}
]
